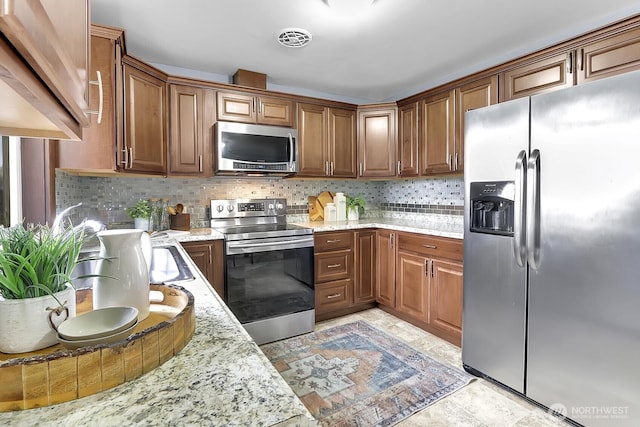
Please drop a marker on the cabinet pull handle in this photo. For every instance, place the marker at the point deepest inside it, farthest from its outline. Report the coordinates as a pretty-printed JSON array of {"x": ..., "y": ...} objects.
[
  {"x": 334, "y": 265},
  {"x": 326, "y": 168},
  {"x": 455, "y": 162},
  {"x": 200, "y": 162},
  {"x": 431, "y": 262},
  {"x": 130, "y": 157},
  {"x": 398, "y": 167},
  {"x": 569, "y": 62},
  {"x": 580, "y": 59},
  {"x": 391, "y": 240},
  {"x": 426, "y": 267},
  {"x": 333, "y": 241},
  {"x": 332, "y": 166},
  {"x": 253, "y": 106},
  {"x": 430, "y": 246},
  {"x": 100, "y": 96},
  {"x": 360, "y": 168},
  {"x": 125, "y": 162},
  {"x": 210, "y": 257},
  {"x": 449, "y": 161},
  {"x": 259, "y": 106},
  {"x": 332, "y": 296}
]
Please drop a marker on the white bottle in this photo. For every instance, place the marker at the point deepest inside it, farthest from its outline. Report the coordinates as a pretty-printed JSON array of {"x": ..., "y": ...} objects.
[
  {"x": 330, "y": 212},
  {"x": 341, "y": 206}
]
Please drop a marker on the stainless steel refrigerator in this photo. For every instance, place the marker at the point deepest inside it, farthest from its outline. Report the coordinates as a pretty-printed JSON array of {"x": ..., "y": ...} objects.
[{"x": 552, "y": 249}]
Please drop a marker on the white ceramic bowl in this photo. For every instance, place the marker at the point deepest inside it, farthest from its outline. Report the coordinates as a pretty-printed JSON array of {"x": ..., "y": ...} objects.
[
  {"x": 118, "y": 336},
  {"x": 98, "y": 323}
]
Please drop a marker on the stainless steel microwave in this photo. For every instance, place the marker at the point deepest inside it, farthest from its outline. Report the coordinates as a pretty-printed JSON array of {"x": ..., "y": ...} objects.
[{"x": 248, "y": 148}]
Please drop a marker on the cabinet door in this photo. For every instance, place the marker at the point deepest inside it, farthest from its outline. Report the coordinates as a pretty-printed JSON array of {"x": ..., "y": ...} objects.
[
  {"x": 365, "y": 274},
  {"x": 412, "y": 285},
  {"x": 190, "y": 130},
  {"x": 145, "y": 122},
  {"x": 474, "y": 95},
  {"x": 608, "y": 57},
  {"x": 438, "y": 133},
  {"x": 101, "y": 139},
  {"x": 209, "y": 258},
  {"x": 236, "y": 107},
  {"x": 408, "y": 140},
  {"x": 275, "y": 111},
  {"x": 53, "y": 38},
  {"x": 342, "y": 143},
  {"x": 541, "y": 76},
  {"x": 377, "y": 142},
  {"x": 385, "y": 268},
  {"x": 312, "y": 136},
  {"x": 446, "y": 296}
]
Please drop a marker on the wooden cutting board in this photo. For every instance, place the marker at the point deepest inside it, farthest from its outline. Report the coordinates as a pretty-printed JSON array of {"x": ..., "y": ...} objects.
[
  {"x": 317, "y": 204},
  {"x": 315, "y": 210}
]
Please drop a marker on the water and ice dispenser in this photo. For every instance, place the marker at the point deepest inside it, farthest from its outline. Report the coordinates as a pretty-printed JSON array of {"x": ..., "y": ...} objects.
[{"x": 492, "y": 207}]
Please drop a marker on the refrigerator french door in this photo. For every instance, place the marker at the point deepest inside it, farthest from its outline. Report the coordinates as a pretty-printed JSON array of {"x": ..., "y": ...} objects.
[{"x": 552, "y": 306}]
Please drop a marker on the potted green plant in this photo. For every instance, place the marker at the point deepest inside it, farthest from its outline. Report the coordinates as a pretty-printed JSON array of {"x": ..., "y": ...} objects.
[
  {"x": 36, "y": 293},
  {"x": 140, "y": 212},
  {"x": 355, "y": 207}
]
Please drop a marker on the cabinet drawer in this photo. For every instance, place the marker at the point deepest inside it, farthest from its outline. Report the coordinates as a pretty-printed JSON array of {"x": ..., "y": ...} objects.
[
  {"x": 430, "y": 245},
  {"x": 333, "y": 241},
  {"x": 334, "y": 266},
  {"x": 333, "y": 296}
]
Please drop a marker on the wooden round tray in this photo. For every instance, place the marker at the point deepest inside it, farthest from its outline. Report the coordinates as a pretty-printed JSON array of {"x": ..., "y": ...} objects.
[{"x": 55, "y": 374}]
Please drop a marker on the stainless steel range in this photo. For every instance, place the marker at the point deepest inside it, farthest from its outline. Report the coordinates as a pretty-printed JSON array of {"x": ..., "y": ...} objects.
[{"x": 269, "y": 277}]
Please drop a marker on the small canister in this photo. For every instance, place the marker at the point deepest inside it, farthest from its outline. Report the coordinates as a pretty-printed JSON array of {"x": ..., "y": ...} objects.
[{"x": 330, "y": 212}]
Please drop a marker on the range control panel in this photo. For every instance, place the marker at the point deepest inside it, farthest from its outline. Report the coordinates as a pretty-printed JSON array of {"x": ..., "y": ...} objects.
[{"x": 238, "y": 208}]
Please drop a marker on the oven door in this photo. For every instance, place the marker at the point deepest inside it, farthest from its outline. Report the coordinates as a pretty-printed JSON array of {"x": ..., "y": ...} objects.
[{"x": 267, "y": 278}]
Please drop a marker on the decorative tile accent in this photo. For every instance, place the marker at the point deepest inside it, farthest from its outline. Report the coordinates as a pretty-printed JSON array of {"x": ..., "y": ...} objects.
[{"x": 105, "y": 198}]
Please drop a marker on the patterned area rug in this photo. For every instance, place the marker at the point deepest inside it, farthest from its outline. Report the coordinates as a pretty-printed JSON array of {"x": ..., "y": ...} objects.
[{"x": 357, "y": 375}]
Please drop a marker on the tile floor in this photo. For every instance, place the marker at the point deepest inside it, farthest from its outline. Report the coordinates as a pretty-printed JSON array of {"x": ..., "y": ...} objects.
[{"x": 479, "y": 404}]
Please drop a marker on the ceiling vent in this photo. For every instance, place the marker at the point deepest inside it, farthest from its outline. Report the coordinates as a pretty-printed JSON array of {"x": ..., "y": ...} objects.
[{"x": 294, "y": 37}]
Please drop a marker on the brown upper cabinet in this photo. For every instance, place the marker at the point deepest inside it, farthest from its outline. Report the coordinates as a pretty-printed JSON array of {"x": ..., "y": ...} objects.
[
  {"x": 101, "y": 139},
  {"x": 327, "y": 139},
  {"x": 248, "y": 108},
  {"x": 44, "y": 63},
  {"x": 601, "y": 57},
  {"x": 191, "y": 119},
  {"x": 145, "y": 123},
  {"x": 377, "y": 138},
  {"x": 442, "y": 124},
  {"x": 408, "y": 140}
]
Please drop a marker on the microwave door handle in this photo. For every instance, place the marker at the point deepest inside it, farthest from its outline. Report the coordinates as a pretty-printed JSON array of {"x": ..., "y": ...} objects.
[{"x": 291, "y": 154}]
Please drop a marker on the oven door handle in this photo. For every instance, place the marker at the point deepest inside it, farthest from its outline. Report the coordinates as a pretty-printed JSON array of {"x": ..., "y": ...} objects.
[{"x": 248, "y": 247}]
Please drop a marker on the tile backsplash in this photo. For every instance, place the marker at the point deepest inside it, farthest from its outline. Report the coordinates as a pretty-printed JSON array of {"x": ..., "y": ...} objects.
[{"x": 104, "y": 198}]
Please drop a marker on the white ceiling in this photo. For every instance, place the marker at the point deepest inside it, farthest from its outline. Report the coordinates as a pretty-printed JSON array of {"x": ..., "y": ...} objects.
[{"x": 392, "y": 49}]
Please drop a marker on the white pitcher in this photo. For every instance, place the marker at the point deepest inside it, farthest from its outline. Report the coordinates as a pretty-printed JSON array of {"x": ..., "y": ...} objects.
[{"x": 128, "y": 271}]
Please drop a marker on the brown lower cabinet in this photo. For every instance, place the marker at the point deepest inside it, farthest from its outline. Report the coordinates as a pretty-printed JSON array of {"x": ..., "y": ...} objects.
[
  {"x": 420, "y": 281},
  {"x": 208, "y": 256},
  {"x": 341, "y": 288}
]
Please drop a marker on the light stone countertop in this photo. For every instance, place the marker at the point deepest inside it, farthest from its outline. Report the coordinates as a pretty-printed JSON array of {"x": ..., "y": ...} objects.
[
  {"x": 220, "y": 378},
  {"x": 443, "y": 227}
]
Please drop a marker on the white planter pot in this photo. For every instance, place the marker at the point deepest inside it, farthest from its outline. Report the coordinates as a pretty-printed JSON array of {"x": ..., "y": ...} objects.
[
  {"x": 24, "y": 323},
  {"x": 141, "y": 224},
  {"x": 353, "y": 214}
]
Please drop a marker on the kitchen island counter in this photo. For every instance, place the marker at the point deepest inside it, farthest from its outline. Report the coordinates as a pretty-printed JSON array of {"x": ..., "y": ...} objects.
[{"x": 220, "y": 378}]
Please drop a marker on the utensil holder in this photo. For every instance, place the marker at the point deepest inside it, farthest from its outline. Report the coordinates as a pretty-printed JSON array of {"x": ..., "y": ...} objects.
[{"x": 180, "y": 222}]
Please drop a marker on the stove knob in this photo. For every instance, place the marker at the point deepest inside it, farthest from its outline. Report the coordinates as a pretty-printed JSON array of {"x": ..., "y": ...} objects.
[
  {"x": 270, "y": 206},
  {"x": 219, "y": 208},
  {"x": 279, "y": 206},
  {"x": 230, "y": 208}
]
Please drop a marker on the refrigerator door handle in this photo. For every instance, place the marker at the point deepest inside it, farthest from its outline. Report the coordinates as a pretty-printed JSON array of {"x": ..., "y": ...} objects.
[
  {"x": 533, "y": 210},
  {"x": 519, "y": 244}
]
